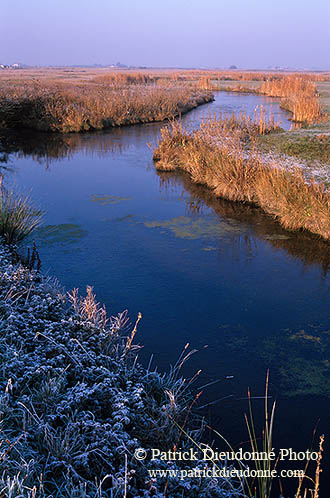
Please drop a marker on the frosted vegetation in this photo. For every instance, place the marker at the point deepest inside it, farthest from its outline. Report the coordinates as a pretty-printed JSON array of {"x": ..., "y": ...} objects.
[{"x": 75, "y": 403}]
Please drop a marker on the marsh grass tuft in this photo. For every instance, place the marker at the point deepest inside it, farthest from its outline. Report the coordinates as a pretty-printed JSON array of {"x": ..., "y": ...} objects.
[
  {"x": 90, "y": 311},
  {"x": 17, "y": 217},
  {"x": 264, "y": 467}
]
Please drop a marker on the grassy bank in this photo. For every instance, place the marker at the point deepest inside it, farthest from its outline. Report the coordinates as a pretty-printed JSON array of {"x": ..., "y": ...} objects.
[
  {"x": 307, "y": 97},
  {"x": 54, "y": 105},
  {"x": 223, "y": 155},
  {"x": 309, "y": 144},
  {"x": 308, "y": 148}
]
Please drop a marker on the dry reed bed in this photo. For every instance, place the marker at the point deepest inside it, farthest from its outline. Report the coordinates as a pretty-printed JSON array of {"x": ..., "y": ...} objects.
[
  {"x": 297, "y": 92},
  {"x": 52, "y": 106},
  {"x": 264, "y": 76},
  {"x": 210, "y": 78},
  {"x": 298, "y": 95},
  {"x": 222, "y": 156}
]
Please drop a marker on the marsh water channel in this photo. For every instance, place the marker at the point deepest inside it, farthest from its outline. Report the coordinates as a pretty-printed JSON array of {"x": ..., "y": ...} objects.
[{"x": 201, "y": 270}]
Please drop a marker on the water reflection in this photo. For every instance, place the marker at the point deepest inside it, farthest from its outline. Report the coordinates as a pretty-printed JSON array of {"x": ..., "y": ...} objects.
[
  {"x": 255, "y": 223},
  {"x": 48, "y": 148}
]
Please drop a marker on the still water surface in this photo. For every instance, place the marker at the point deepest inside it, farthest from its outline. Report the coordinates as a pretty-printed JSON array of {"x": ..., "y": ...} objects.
[{"x": 203, "y": 271}]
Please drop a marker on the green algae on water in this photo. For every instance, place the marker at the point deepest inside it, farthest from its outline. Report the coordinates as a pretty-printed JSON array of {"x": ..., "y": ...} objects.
[
  {"x": 65, "y": 233},
  {"x": 185, "y": 227},
  {"x": 104, "y": 199}
]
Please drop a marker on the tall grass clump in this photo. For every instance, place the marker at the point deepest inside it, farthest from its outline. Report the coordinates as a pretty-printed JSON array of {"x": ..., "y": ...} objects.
[
  {"x": 17, "y": 217},
  {"x": 298, "y": 95},
  {"x": 265, "y": 467},
  {"x": 260, "y": 485},
  {"x": 222, "y": 155}
]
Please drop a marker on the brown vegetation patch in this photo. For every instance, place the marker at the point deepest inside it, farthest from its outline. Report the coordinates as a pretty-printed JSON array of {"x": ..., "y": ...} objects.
[
  {"x": 74, "y": 107},
  {"x": 298, "y": 95}
]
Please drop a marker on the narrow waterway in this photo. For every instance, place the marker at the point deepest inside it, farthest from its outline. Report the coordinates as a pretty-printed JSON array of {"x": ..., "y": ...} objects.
[{"x": 204, "y": 271}]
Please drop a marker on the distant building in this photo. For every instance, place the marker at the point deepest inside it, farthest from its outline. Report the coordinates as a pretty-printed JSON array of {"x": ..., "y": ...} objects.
[{"x": 10, "y": 66}]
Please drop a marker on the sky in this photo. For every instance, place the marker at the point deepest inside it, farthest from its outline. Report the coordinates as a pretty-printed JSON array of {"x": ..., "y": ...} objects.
[{"x": 166, "y": 33}]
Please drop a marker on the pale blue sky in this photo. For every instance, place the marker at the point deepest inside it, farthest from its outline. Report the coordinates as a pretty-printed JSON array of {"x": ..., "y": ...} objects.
[{"x": 168, "y": 33}]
